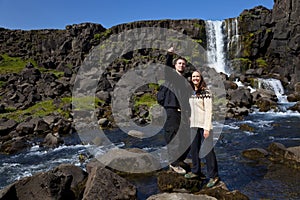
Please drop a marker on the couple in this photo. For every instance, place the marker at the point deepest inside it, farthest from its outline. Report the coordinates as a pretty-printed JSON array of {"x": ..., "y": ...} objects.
[{"x": 199, "y": 116}]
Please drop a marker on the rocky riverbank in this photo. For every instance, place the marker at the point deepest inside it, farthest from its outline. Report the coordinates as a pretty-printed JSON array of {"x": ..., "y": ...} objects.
[
  {"x": 72, "y": 182},
  {"x": 39, "y": 67}
]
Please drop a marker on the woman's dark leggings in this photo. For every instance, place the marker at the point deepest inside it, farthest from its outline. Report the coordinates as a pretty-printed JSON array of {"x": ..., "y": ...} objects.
[{"x": 210, "y": 158}]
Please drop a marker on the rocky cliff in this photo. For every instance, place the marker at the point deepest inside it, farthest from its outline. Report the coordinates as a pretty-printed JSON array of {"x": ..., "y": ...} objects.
[
  {"x": 270, "y": 39},
  {"x": 273, "y": 35},
  {"x": 270, "y": 49}
]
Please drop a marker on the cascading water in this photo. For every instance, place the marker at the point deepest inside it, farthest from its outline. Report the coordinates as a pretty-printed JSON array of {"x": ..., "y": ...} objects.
[
  {"x": 215, "y": 46},
  {"x": 273, "y": 85},
  {"x": 234, "y": 44},
  {"x": 222, "y": 38}
]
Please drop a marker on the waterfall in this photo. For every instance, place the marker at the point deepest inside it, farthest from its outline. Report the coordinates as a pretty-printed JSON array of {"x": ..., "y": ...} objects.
[
  {"x": 215, "y": 45},
  {"x": 274, "y": 85},
  {"x": 222, "y": 38},
  {"x": 233, "y": 38}
]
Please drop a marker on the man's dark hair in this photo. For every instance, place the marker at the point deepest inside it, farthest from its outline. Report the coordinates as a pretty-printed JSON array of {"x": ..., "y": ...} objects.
[{"x": 179, "y": 58}]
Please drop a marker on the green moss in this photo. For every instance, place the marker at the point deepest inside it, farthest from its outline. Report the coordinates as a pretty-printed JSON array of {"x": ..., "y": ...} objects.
[
  {"x": 198, "y": 25},
  {"x": 242, "y": 64},
  {"x": 253, "y": 82},
  {"x": 219, "y": 101},
  {"x": 146, "y": 99},
  {"x": 104, "y": 34},
  {"x": 261, "y": 62},
  {"x": 153, "y": 86},
  {"x": 247, "y": 44},
  {"x": 199, "y": 41},
  {"x": 1, "y": 83},
  {"x": 160, "y": 82},
  {"x": 97, "y": 36},
  {"x": 269, "y": 30},
  {"x": 13, "y": 64},
  {"x": 86, "y": 103},
  {"x": 45, "y": 108}
]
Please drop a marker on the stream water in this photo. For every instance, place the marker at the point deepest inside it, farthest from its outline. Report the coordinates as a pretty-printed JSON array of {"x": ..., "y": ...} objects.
[{"x": 255, "y": 180}]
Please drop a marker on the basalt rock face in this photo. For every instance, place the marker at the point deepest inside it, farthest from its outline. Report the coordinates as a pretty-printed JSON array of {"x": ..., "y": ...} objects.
[
  {"x": 271, "y": 40},
  {"x": 51, "y": 48},
  {"x": 269, "y": 48}
]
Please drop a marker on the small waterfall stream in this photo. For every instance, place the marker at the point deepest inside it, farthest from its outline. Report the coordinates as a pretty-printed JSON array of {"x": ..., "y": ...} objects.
[
  {"x": 273, "y": 85},
  {"x": 234, "y": 44}
]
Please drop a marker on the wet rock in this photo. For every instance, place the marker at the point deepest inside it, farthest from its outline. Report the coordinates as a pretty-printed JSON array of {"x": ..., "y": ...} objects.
[
  {"x": 230, "y": 85},
  {"x": 103, "y": 122},
  {"x": 276, "y": 153},
  {"x": 2, "y": 108},
  {"x": 15, "y": 145},
  {"x": 220, "y": 191},
  {"x": 246, "y": 127},
  {"x": 135, "y": 133},
  {"x": 240, "y": 97},
  {"x": 58, "y": 183},
  {"x": 102, "y": 180},
  {"x": 255, "y": 153},
  {"x": 130, "y": 160},
  {"x": 62, "y": 126},
  {"x": 295, "y": 107},
  {"x": 79, "y": 177},
  {"x": 7, "y": 125},
  {"x": 52, "y": 140},
  {"x": 237, "y": 112},
  {"x": 180, "y": 196},
  {"x": 41, "y": 126},
  {"x": 265, "y": 104},
  {"x": 169, "y": 181},
  {"x": 25, "y": 128},
  {"x": 296, "y": 152}
]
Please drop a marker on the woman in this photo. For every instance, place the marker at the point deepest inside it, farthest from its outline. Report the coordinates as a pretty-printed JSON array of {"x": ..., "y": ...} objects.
[{"x": 201, "y": 126}]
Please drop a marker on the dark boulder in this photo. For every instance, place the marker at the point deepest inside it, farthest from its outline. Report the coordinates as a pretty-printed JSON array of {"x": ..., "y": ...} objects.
[{"x": 54, "y": 184}]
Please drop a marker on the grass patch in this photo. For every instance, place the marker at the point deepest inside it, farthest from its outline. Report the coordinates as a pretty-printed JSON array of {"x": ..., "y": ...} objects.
[
  {"x": 86, "y": 103},
  {"x": 45, "y": 108},
  {"x": 12, "y": 64},
  {"x": 153, "y": 86},
  {"x": 1, "y": 83},
  {"x": 261, "y": 62},
  {"x": 40, "y": 109},
  {"x": 146, "y": 99},
  {"x": 16, "y": 65}
]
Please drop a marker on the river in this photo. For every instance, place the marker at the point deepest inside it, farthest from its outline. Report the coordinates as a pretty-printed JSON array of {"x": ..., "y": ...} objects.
[{"x": 253, "y": 179}]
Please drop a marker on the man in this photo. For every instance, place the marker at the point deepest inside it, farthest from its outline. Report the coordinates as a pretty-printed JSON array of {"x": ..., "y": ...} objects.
[{"x": 170, "y": 96}]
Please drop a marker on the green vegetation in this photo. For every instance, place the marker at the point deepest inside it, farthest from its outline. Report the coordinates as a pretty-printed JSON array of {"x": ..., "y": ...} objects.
[
  {"x": 253, "y": 82},
  {"x": 1, "y": 83},
  {"x": 45, "y": 108},
  {"x": 104, "y": 34},
  {"x": 146, "y": 99},
  {"x": 58, "y": 74},
  {"x": 12, "y": 64},
  {"x": 247, "y": 43},
  {"x": 197, "y": 25},
  {"x": 261, "y": 62},
  {"x": 242, "y": 64},
  {"x": 219, "y": 101},
  {"x": 86, "y": 103},
  {"x": 153, "y": 86},
  {"x": 199, "y": 41}
]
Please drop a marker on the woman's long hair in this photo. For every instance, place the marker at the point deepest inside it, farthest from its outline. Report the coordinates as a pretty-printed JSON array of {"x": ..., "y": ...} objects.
[{"x": 202, "y": 85}]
